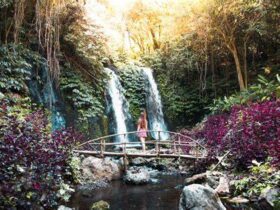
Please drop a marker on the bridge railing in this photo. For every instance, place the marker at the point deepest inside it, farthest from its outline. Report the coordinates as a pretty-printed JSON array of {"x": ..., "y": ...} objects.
[{"x": 177, "y": 146}]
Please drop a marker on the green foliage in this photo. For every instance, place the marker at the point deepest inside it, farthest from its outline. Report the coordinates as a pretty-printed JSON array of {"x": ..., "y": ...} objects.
[
  {"x": 5, "y": 3},
  {"x": 65, "y": 192},
  {"x": 20, "y": 107},
  {"x": 16, "y": 63},
  {"x": 83, "y": 43},
  {"x": 82, "y": 80},
  {"x": 182, "y": 105},
  {"x": 14, "y": 69},
  {"x": 133, "y": 82},
  {"x": 262, "y": 176},
  {"x": 75, "y": 168},
  {"x": 262, "y": 91},
  {"x": 84, "y": 96}
]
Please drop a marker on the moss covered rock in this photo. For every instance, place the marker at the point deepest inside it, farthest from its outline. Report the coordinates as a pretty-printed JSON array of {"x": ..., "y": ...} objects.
[{"x": 100, "y": 205}]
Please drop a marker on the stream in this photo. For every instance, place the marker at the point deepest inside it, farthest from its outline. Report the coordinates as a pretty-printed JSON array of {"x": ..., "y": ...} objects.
[{"x": 163, "y": 195}]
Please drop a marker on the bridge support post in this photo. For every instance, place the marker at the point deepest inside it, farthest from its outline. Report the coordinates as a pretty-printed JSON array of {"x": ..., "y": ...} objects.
[
  {"x": 125, "y": 159},
  {"x": 125, "y": 163},
  {"x": 174, "y": 147},
  {"x": 157, "y": 148}
]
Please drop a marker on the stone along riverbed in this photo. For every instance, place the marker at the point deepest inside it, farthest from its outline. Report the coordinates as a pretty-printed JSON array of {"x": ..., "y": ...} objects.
[{"x": 164, "y": 194}]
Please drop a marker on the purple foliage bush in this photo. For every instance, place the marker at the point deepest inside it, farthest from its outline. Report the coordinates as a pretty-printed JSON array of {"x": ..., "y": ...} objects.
[
  {"x": 32, "y": 160},
  {"x": 254, "y": 131},
  {"x": 249, "y": 132},
  {"x": 215, "y": 129}
]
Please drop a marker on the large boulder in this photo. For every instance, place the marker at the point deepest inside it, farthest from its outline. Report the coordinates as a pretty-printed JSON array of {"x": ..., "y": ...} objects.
[
  {"x": 137, "y": 176},
  {"x": 199, "y": 197},
  {"x": 100, "y": 169},
  {"x": 268, "y": 197}
]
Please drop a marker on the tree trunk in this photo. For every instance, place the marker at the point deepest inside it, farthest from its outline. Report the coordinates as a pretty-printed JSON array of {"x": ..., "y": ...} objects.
[
  {"x": 154, "y": 39},
  {"x": 245, "y": 65},
  {"x": 238, "y": 68},
  {"x": 213, "y": 73}
]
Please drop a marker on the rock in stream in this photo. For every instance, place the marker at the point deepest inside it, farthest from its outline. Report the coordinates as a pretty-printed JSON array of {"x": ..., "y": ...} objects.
[
  {"x": 95, "y": 169},
  {"x": 199, "y": 197},
  {"x": 137, "y": 176}
]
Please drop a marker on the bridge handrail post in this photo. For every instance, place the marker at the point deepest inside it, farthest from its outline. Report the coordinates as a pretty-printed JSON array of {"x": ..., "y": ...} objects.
[
  {"x": 124, "y": 145},
  {"x": 124, "y": 148},
  {"x": 174, "y": 147},
  {"x": 180, "y": 147},
  {"x": 102, "y": 147}
]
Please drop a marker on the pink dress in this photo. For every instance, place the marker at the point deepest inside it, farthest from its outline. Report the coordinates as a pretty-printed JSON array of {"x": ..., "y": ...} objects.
[{"x": 142, "y": 133}]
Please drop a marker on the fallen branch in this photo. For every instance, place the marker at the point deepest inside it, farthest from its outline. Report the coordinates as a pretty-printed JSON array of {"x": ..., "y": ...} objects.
[{"x": 220, "y": 161}]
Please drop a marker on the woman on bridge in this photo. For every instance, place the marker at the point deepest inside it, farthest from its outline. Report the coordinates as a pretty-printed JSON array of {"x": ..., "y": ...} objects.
[{"x": 142, "y": 128}]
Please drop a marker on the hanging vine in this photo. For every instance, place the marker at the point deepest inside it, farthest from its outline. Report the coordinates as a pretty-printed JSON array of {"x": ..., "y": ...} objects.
[
  {"x": 18, "y": 17},
  {"x": 48, "y": 29}
]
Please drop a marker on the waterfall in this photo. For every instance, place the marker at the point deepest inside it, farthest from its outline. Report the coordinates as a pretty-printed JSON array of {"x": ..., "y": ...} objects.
[
  {"x": 119, "y": 105},
  {"x": 44, "y": 92},
  {"x": 154, "y": 107},
  {"x": 57, "y": 118}
]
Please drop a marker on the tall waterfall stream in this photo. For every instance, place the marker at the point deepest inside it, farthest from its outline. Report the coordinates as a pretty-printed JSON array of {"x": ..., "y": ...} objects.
[
  {"x": 119, "y": 104},
  {"x": 154, "y": 107}
]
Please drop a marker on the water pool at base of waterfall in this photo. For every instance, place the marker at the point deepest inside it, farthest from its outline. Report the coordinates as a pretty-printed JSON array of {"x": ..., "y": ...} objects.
[{"x": 162, "y": 195}]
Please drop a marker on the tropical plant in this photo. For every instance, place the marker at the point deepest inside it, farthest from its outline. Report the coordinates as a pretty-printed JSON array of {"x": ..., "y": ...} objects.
[
  {"x": 262, "y": 177},
  {"x": 248, "y": 132},
  {"x": 264, "y": 90},
  {"x": 33, "y": 161},
  {"x": 84, "y": 97},
  {"x": 133, "y": 82},
  {"x": 14, "y": 69}
]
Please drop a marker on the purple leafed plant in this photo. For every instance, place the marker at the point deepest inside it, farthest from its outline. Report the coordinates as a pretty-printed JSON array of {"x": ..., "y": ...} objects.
[
  {"x": 249, "y": 132},
  {"x": 33, "y": 161}
]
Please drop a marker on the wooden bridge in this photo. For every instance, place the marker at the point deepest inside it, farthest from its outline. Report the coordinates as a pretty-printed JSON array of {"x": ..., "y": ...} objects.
[{"x": 178, "y": 146}]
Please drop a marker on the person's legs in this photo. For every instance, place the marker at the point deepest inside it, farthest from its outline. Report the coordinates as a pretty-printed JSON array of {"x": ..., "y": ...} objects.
[{"x": 143, "y": 144}]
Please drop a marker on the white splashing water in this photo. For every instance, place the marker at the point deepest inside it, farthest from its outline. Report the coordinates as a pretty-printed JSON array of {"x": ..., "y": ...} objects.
[
  {"x": 119, "y": 104},
  {"x": 154, "y": 107}
]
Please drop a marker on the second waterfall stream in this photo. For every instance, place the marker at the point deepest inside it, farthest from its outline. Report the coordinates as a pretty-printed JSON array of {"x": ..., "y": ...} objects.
[{"x": 154, "y": 107}]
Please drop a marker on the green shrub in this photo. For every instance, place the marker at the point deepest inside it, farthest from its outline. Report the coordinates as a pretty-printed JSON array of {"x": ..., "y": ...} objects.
[
  {"x": 262, "y": 91},
  {"x": 85, "y": 97},
  {"x": 262, "y": 177},
  {"x": 16, "y": 63},
  {"x": 135, "y": 92},
  {"x": 14, "y": 69}
]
